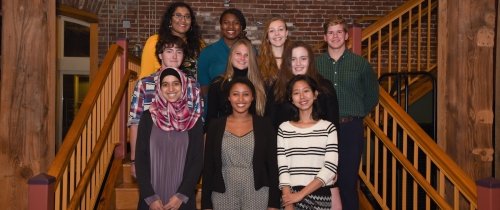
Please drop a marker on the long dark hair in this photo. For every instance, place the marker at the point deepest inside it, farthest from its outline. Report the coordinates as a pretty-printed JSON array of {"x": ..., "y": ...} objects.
[
  {"x": 244, "y": 81},
  {"x": 285, "y": 74},
  {"x": 193, "y": 34},
  {"x": 314, "y": 87}
]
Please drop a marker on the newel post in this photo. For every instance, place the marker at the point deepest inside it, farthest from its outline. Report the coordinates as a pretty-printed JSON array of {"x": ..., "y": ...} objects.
[
  {"x": 488, "y": 192},
  {"x": 355, "y": 37},
  {"x": 121, "y": 150},
  {"x": 41, "y": 192}
]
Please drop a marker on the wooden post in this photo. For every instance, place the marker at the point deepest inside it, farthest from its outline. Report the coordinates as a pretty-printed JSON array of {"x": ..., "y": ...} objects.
[
  {"x": 355, "y": 38},
  {"x": 41, "y": 192},
  {"x": 488, "y": 192},
  {"x": 465, "y": 85},
  {"x": 497, "y": 98},
  {"x": 121, "y": 150},
  {"x": 94, "y": 54},
  {"x": 27, "y": 131}
]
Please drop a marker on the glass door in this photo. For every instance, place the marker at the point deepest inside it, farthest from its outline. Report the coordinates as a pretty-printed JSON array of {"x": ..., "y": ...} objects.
[{"x": 73, "y": 67}]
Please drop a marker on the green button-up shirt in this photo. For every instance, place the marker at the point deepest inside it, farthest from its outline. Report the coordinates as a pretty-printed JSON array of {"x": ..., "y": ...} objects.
[{"x": 354, "y": 81}]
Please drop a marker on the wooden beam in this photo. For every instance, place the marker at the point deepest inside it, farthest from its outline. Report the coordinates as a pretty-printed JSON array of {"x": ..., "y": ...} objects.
[
  {"x": 497, "y": 98},
  {"x": 465, "y": 85},
  {"x": 76, "y": 13},
  {"x": 28, "y": 96}
]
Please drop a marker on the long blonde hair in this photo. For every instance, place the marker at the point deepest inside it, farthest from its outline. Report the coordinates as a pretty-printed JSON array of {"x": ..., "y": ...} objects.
[
  {"x": 253, "y": 75},
  {"x": 267, "y": 62}
]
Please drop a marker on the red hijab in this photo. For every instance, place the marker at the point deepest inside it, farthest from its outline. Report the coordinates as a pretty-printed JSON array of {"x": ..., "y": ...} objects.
[{"x": 181, "y": 115}]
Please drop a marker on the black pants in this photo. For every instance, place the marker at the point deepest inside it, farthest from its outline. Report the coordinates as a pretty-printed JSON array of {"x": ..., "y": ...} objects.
[{"x": 351, "y": 144}]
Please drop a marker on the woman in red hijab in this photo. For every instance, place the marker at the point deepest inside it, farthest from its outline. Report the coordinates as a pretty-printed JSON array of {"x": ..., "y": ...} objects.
[{"x": 170, "y": 138}]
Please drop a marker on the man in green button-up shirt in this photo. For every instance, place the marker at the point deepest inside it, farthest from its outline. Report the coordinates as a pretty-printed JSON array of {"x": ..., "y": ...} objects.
[{"x": 356, "y": 86}]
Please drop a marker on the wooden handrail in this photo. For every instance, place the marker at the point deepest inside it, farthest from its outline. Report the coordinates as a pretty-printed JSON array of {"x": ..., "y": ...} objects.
[
  {"x": 382, "y": 22},
  {"x": 386, "y": 37},
  {"x": 71, "y": 139},
  {"x": 442, "y": 160},
  {"x": 101, "y": 142},
  {"x": 407, "y": 165},
  {"x": 106, "y": 200}
]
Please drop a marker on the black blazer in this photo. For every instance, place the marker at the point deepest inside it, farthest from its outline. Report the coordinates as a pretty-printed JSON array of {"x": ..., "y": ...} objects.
[
  {"x": 265, "y": 165},
  {"x": 192, "y": 168}
]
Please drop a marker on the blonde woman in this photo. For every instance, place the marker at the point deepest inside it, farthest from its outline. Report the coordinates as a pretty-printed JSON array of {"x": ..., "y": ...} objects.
[{"x": 242, "y": 62}]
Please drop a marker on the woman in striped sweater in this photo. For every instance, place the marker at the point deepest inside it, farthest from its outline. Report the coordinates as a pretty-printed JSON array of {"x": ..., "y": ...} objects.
[{"x": 307, "y": 150}]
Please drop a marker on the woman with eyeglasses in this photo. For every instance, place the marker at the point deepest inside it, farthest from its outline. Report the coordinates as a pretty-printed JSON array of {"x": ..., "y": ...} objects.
[{"x": 178, "y": 20}]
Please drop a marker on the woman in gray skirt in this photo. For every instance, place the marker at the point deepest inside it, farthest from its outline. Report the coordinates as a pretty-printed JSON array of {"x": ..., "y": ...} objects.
[
  {"x": 240, "y": 169},
  {"x": 169, "y": 152}
]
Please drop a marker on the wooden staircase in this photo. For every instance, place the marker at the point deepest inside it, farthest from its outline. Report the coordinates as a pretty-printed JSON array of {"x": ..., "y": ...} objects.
[
  {"x": 126, "y": 190},
  {"x": 402, "y": 167}
]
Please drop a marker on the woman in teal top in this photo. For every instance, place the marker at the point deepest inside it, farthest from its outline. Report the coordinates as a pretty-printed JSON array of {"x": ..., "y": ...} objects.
[{"x": 213, "y": 59}]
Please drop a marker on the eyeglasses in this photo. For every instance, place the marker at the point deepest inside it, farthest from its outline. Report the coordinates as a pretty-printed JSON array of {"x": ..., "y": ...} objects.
[{"x": 178, "y": 16}]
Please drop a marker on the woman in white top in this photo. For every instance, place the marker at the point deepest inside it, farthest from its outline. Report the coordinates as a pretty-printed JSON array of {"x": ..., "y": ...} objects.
[{"x": 307, "y": 150}]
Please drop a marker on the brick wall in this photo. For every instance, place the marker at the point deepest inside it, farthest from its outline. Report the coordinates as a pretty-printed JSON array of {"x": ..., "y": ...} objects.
[{"x": 305, "y": 17}]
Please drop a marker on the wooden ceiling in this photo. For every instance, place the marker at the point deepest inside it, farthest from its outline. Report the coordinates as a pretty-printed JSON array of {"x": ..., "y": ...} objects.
[{"x": 91, "y": 6}]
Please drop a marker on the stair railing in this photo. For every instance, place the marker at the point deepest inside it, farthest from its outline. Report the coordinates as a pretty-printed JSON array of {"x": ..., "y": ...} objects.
[
  {"x": 400, "y": 153},
  {"x": 402, "y": 167},
  {"x": 75, "y": 177},
  {"x": 402, "y": 83},
  {"x": 403, "y": 40}
]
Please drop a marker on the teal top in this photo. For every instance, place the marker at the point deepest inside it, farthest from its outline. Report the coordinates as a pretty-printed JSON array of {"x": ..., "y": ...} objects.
[
  {"x": 212, "y": 62},
  {"x": 355, "y": 82}
]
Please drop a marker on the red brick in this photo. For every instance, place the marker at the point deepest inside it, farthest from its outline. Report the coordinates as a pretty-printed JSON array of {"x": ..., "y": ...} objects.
[{"x": 306, "y": 16}]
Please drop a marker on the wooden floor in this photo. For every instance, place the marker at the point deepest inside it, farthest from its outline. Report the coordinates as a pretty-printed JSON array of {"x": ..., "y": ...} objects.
[{"x": 127, "y": 192}]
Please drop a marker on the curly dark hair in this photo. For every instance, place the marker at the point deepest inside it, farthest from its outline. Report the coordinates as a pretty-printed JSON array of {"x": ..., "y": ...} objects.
[
  {"x": 193, "y": 35},
  {"x": 238, "y": 14},
  {"x": 314, "y": 87},
  {"x": 241, "y": 19}
]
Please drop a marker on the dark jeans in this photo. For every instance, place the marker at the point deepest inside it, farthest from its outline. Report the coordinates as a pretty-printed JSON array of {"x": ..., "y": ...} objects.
[{"x": 351, "y": 144}]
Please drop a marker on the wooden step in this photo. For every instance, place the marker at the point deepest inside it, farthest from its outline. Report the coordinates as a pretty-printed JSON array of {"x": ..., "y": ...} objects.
[
  {"x": 127, "y": 196},
  {"x": 127, "y": 175}
]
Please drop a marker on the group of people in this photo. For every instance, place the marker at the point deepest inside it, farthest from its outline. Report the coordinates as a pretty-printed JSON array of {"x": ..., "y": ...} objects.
[{"x": 273, "y": 128}]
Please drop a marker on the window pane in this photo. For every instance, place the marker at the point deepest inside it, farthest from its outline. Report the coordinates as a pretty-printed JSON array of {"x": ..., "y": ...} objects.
[{"x": 76, "y": 40}]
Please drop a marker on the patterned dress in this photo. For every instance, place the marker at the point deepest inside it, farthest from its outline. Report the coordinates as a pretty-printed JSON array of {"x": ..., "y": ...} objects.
[{"x": 237, "y": 170}]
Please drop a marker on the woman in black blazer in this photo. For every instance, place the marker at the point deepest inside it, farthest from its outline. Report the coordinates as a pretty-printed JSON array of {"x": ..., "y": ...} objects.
[{"x": 240, "y": 164}]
